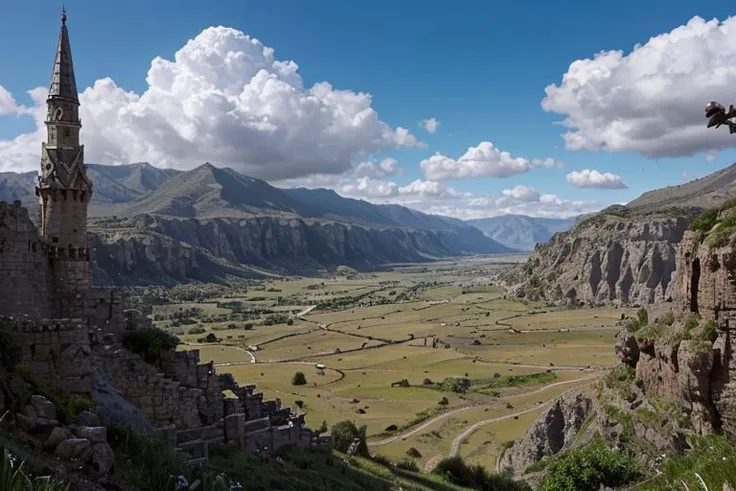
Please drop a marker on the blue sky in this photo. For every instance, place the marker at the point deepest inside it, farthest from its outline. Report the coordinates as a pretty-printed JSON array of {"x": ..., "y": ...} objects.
[{"x": 477, "y": 67}]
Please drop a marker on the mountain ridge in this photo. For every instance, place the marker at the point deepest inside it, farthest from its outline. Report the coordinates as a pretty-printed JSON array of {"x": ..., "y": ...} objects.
[{"x": 161, "y": 226}]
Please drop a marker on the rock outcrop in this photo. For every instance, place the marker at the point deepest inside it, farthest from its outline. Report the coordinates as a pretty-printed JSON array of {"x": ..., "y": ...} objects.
[
  {"x": 706, "y": 284},
  {"x": 553, "y": 431},
  {"x": 605, "y": 258}
]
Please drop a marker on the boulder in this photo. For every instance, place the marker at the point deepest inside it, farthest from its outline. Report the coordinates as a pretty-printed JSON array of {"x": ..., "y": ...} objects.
[
  {"x": 58, "y": 435},
  {"x": 72, "y": 448},
  {"x": 101, "y": 460},
  {"x": 44, "y": 408},
  {"x": 95, "y": 434},
  {"x": 87, "y": 418}
]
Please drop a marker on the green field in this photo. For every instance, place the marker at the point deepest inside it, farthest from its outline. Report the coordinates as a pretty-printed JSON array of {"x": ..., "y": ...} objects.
[{"x": 415, "y": 326}]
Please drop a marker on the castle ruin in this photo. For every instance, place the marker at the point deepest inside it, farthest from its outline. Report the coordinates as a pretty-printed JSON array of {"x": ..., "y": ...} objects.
[{"x": 71, "y": 332}]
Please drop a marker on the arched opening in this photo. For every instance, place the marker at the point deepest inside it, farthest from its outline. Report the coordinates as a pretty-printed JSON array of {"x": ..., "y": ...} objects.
[{"x": 694, "y": 283}]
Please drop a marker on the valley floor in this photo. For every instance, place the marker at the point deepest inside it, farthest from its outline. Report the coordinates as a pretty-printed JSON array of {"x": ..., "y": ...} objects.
[{"x": 391, "y": 344}]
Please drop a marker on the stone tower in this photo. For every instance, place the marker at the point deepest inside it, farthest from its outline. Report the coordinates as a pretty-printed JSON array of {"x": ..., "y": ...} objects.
[{"x": 63, "y": 189}]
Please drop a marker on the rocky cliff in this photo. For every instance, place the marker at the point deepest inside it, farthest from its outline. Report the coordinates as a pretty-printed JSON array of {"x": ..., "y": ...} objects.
[
  {"x": 151, "y": 249},
  {"x": 677, "y": 375},
  {"x": 616, "y": 256}
]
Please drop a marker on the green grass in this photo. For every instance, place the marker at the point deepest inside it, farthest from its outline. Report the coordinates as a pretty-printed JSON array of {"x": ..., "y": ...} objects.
[
  {"x": 507, "y": 381},
  {"x": 712, "y": 458}
]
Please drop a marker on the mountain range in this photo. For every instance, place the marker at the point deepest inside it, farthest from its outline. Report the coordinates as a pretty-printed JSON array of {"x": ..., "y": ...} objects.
[
  {"x": 160, "y": 226},
  {"x": 522, "y": 232}
]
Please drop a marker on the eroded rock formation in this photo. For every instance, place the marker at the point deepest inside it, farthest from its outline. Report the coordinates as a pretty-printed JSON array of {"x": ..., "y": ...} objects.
[{"x": 605, "y": 258}]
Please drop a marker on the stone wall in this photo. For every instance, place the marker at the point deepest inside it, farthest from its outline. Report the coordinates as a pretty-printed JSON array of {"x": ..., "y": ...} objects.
[
  {"x": 56, "y": 350},
  {"x": 23, "y": 263},
  {"x": 164, "y": 401},
  {"x": 184, "y": 367},
  {"x": 103, "y": 309}
]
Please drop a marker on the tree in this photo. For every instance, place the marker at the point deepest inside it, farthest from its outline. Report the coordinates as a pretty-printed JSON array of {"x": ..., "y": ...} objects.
[
  {"x": 323, "y": 428},
  {"x": 343, "y": 434},
  {"x": 299, "y": 379}
]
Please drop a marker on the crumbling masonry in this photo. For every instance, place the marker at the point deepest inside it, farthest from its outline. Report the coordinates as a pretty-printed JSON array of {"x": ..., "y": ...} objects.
[{"x": 71, "y": 332}]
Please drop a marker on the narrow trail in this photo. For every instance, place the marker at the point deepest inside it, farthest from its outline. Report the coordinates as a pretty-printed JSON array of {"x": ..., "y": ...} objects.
[
  {"x": 447, "y": 414},
  {"x": 469, "y": 430},
  {"x": 306, "y": 311}
]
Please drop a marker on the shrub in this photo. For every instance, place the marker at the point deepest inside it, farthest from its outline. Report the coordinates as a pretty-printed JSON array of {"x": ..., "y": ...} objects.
[
  {"x": 589, "y": 468},
  {"x": 643, "y": 316},
  {"x": 443, "y": 402},
  {"x": 668, "y": 319},
  {"x": 457, "y": 472},
  {"x": 149, "y": 343},
  {"x": 705, "y": 222},
  {"x": 692, "y": 322},
  {"x": 407, "y": 465},
  {"x": 709, "y": 332},
  {"x": 414, "y": 453},
  {"x": 343, "y": 434},
  {"x": 299, "y": 379},
  {"x": 454, "y": 384}
]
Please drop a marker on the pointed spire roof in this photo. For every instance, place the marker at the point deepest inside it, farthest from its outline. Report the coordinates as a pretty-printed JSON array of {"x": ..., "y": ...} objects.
[{"x": 63, "y": 83}]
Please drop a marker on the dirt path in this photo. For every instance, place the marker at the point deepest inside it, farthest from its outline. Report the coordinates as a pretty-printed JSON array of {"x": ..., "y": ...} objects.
[
  {"x": 431, "y": 421},
  {"x": 306, "y": 311},
  {"x": 469, "y": 430}
]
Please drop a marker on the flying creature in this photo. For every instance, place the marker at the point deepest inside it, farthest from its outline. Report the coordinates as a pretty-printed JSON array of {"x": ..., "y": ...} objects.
[{"x": 718, "y": 116}]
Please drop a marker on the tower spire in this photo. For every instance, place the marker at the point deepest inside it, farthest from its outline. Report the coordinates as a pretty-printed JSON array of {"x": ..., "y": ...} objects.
[{"x": 63, "y": 83}]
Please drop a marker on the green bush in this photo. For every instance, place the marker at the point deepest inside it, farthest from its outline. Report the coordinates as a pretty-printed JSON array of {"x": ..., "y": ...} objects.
[
  {"x": 705, "y": 222},
  {"x": 643, "y": 316},
  {"x": 149, "y": 343},
  {"x": 407, "y": 465},
  {"x": 709, "y": 333},
  {"x": 343, "y": 434},
  {"x": 457, "y": 472},
  {"x": 454, "y": 384},
  {"x": 589, "y": 468},
  {"x": 299, "y": 379},
  {"x": 668, "y": 319}
]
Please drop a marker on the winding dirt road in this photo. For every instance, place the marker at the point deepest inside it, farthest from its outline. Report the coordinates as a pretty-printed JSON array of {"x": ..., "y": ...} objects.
[{"x": 431, "y": 421}]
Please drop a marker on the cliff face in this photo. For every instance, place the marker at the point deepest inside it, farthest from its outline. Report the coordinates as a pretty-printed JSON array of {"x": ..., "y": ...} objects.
[
  {"x": 606, "y": 258},
  {"x": 706, "y": 284},
  {"x": 161, "y": 250}
]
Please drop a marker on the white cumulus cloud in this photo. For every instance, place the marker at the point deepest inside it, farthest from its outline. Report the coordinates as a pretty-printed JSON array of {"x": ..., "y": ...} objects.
[
  {"x": 8, "y": 106},
  {"x": 226, "y": 99},
  {"x": 651, "y": 100},
  {"x": 591, "y": 178},
  {"x": 484, "y": 160},
  {"x": 378, "y": 170},
  {"x": 430, "y": 125}
]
